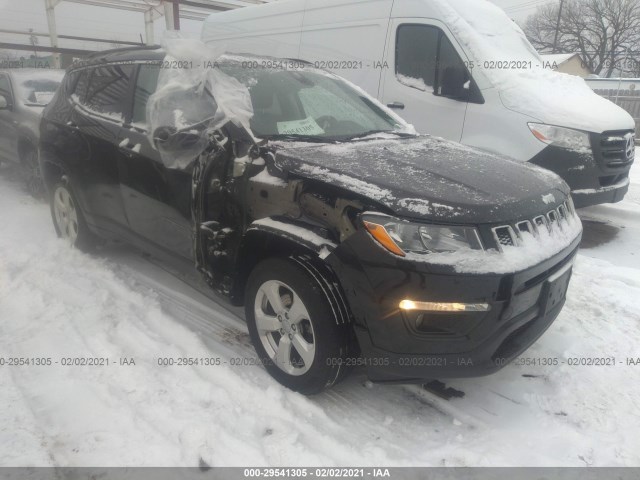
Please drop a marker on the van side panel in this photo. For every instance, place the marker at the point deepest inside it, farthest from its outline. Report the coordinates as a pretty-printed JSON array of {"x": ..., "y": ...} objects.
[
  {"x": 347, "y": 38},
  {"x": 271, "y": 29}
]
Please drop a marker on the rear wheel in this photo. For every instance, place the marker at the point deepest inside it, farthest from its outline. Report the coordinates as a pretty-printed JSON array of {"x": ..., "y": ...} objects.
[
  {"x": 296, "y": 325},
  {"x": 68, "y": 219}
]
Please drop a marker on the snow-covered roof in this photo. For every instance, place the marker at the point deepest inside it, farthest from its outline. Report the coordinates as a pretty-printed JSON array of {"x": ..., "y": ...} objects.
[{"x": 557, "y": 58}]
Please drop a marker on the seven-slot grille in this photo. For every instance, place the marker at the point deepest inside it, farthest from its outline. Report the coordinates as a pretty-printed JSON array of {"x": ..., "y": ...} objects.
[{"x": 507, "y": 235}]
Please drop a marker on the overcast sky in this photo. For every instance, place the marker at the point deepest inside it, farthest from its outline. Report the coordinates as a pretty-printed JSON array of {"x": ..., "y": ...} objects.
[{"x": 98, "y": 22}]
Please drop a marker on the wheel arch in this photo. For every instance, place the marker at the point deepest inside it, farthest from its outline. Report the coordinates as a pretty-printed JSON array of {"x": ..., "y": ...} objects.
[
  {"x": 51, "y": 173},
  {"x": 272, "y": 238}
]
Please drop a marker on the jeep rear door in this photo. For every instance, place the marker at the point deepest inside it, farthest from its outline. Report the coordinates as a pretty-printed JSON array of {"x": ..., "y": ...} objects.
[
  {"x": 157, "y": 199},
  {"x": 91, "y": 135}
]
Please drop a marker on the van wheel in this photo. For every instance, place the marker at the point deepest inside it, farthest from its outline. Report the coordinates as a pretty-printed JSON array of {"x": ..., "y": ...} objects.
[
  {"x": 296, "y": 325},
  {"x": 31, "y": 172},
  {"x": 67, "y": 218}
]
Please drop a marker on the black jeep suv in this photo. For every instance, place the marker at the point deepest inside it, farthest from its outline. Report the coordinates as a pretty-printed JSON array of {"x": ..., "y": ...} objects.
[{"x": 348, "y": 239}]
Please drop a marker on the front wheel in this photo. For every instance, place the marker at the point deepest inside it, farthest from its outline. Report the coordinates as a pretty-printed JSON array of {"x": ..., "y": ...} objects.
[
  {"x": 296, "y": 324},
  {"x": 68, "y": 219}
]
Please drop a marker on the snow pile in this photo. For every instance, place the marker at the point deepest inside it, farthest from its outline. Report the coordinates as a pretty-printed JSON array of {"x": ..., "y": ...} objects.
[
  {"x": 413, "y": 82},
  {"x": 493, "y": 41},
  {"x": 57, "y": 302}
]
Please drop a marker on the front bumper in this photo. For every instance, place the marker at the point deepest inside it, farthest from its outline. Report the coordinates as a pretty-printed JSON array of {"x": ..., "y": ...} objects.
[
  {"x": 398, "y": 346},
  {"x": 600, "y": 175}
]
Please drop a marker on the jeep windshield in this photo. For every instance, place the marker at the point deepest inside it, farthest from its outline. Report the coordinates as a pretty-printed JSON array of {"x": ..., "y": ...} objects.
[{"x": 308, "y": 105}]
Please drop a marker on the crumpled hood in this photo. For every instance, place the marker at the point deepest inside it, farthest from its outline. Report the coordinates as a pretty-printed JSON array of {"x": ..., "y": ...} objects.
[{"x": 428, "y": 178}]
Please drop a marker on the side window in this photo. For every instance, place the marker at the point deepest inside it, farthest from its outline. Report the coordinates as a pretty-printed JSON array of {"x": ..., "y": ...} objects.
[
  {"x": 5, "y": 87},
  {"x": 426, "y": 60},
  {"x": 452, "y": 73},
  {"x": 78, "y": 85},
  {"x": 145, "y": 85},
  {"x": 107, "y": 89},
  {"x": 417, "y": 55}
]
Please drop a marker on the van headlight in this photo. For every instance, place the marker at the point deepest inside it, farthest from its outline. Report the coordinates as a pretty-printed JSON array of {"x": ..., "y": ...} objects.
[
  {"x": 560, "y": 136},
  {"x": 402, "y": 236}
]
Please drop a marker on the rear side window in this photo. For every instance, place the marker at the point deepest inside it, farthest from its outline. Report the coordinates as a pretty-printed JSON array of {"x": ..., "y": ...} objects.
[
  {"x": 145, "y": 85},
  {"x": 78, "y": 85},
  {"x": 107, "y": 90},
  {"x": 425, "y": 58}
]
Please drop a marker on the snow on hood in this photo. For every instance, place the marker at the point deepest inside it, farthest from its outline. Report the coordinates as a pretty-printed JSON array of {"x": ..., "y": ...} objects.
[
  {"x": 532, "y": 250},
  {"x": 427, "y": 177},
  {"x": 489, "y": 35}
]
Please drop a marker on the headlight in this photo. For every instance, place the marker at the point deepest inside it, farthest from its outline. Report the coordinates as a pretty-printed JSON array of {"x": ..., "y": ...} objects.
[
  {"x": 560, "y": 136},
  {"x": 401, "y": 236}
]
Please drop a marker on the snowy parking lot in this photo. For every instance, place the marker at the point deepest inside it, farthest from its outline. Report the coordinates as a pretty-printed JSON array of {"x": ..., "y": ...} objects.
[{"x": 549, "y": 408}]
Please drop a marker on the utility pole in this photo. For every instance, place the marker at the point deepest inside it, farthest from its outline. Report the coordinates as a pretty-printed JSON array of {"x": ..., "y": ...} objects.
[
  {"x": 50, "y": 6},
  {"x": 555, "y": 38},
  {"x": 34, "y": 41}
]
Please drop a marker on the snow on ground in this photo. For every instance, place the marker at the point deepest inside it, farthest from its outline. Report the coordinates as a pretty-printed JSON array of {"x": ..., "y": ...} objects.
[
  {"x": 614, "y": 229},
  {"x": 56, "y": 302}
]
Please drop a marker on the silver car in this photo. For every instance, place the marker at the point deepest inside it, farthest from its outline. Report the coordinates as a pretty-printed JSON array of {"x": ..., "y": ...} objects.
[{"x": 24, "y": 93}]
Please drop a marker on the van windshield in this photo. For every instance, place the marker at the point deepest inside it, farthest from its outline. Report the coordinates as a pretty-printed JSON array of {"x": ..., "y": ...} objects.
[{"x": 310, "y": 105}]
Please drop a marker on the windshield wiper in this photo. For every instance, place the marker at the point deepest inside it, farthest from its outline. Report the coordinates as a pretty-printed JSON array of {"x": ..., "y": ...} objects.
[
  {"x": 299, "y": 138},
  {"x": 373, "y": 132}
]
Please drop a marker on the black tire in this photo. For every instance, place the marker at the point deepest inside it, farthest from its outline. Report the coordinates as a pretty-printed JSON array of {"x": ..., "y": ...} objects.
[
  {"x": 31, "y": 172},
  {"x": 83, "y": 239},
  {"x": 328, "y": 318}
]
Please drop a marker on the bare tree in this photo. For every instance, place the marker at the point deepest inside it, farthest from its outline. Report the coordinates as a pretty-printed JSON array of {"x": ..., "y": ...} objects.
[{"x": 606, "y": 33}]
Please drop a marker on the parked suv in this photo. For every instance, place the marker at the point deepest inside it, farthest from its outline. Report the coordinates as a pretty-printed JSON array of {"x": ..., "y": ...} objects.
[
  {"x": 24, "y": 93},
  {"x": 348, "y": 240}
]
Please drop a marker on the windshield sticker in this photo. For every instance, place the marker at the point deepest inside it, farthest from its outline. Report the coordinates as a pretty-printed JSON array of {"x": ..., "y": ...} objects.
[
  {"x": 43, "y": 98},
  {"x": 306, "y": 126}
]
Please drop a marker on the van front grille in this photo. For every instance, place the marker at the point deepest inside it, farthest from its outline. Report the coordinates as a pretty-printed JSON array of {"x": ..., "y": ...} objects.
[
  {"x": 508, "y": 235},
  {"x": 615, "y": 149}
]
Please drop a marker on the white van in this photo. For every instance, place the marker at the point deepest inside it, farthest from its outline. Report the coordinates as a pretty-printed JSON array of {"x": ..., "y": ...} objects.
[{"x": 459, "y": 69}]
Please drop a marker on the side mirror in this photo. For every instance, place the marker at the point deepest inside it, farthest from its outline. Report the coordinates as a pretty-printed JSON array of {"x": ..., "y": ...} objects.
[
  {"x": 3, "y": 103},
  {"x": 452, "y": 83}
]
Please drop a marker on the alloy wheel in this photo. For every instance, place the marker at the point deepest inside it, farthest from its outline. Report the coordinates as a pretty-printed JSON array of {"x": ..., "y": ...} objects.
[
  {"x": 65, "y": 213},
  {"x": 284, "y": 327}
]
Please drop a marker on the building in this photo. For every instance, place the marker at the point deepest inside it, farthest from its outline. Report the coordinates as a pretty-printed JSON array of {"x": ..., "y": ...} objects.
[{"x": 570, "y": 63}]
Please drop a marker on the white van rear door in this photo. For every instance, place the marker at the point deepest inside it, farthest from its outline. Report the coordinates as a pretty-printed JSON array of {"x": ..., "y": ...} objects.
[{"x": 422, "y": 58}]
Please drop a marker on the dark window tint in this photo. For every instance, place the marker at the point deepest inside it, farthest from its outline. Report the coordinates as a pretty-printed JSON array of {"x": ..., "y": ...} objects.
[
  {"x": 451, "y": 69},
  {"x": 107, "y": 89},
  {"x": 145, "y": 86},
  {"x": 416, "y": 55},
  {"x": 427, "y": 60},
  {"x": 78, "y": 84},
  {"x": 5, "y": 87}
]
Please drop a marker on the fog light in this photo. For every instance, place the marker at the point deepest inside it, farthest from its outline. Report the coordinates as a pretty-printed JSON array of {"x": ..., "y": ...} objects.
[{"x": 444, "y": 307}]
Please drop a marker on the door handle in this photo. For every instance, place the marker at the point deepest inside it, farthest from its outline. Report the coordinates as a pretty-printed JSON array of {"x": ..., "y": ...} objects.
[
  {"x": 398, "y": 105},
  {"x": 128, "y": 147}
]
